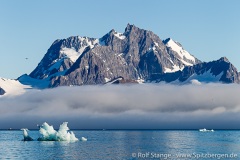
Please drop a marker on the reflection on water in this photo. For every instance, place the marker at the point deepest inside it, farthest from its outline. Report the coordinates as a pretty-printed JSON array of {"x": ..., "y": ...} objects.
[{"x": 119, "y": 144}]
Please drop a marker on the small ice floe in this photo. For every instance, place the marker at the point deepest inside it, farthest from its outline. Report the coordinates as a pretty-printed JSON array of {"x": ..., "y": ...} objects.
[
  {"x": 26, "y": 137},
  {"x": 206, "y": 130},
  {"x": 83, "y": 139}
]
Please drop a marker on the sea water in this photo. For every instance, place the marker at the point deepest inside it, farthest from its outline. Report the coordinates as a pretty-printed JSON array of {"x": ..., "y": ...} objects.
[{"x": 125, "y": 144}]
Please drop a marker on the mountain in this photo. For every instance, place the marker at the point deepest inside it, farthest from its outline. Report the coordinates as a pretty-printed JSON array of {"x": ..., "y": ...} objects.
[
  {"x": 61, "y": 55},
  {"x": 135, "y": 56}
]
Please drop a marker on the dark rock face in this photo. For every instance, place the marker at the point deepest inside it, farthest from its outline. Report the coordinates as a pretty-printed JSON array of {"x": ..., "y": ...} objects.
[{"x": 2, "y": 92}]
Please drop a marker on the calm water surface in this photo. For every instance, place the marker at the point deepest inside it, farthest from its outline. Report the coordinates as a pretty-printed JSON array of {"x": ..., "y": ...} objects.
[{"x": 121, "y": 145}]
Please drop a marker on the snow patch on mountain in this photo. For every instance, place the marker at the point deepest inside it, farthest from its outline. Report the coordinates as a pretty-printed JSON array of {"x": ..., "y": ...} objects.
[
  {"x": 174, "y": 69},
  {"x": 206, "y": 77},
  {"x": 71, "y": 53},
  {"x": 183, "y": 54},
  {"x": 107, "y": 80},
  {"x": 85, "y": 42},
  {"x": 195, "y": 82},
  {"x": 13, "y": 87},
  {"x": 119, "y": 35},
  {"x": 140, "y": 81}
]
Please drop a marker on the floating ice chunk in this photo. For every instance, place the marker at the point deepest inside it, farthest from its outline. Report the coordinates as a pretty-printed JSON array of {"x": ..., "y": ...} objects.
[
  {"x": 49, "y": 134},
  {"x": 26, "y": 137},
  {"x": 84, "y": 139},
  {"x": 205, "y": 130}
]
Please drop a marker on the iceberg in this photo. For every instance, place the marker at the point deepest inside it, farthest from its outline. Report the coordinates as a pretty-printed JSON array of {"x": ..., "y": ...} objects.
[
  {"x": 26, "y": 137},
  {"x": 84, "y": 139},
  {"x": 205, "y": 130},
  {"x": 49, "y": 134}
]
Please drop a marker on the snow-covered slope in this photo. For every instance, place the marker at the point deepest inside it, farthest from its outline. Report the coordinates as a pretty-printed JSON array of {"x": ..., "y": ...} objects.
[
  {"x": 220, "y": 70},
  {"x": 73, "y": 53},
  {"x": 13, "y": 87},
  {"x": 119, "y": 35},
  {"x": 181, "y": 54},
  {"x": 61, "y": 56},
  {"x": 206, "y": 77},
  {"x": 33, "y": 82}
]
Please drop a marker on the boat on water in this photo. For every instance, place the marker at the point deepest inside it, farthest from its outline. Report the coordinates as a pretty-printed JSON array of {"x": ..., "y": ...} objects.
[{"x": 206, "y": 130}]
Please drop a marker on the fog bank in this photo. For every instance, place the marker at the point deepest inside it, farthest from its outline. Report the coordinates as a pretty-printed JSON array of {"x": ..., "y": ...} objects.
[{"x": 146, "y": 106}]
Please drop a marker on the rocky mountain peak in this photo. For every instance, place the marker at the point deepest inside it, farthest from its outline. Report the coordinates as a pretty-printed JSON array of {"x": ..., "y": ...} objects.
[
  {"x": 129, "y": 27},
  {"x": 132, "y": 30},
  {"x": 224, "y": 59}
]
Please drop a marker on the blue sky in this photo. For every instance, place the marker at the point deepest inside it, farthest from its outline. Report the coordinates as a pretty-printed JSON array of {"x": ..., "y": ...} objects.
[{"x": 207, "y": 29}]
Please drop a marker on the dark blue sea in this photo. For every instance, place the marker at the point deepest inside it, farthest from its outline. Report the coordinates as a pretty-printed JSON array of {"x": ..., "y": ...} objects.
[{"x": 125, "y": 144}]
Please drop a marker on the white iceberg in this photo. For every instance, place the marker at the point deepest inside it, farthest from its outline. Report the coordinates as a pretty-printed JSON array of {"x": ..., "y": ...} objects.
[
  {"x": 206, "y": 130},
  {"x": 49, "y": 134},
  {"x": 26, "y": 137},
  {"x": 84, "y": 139}
]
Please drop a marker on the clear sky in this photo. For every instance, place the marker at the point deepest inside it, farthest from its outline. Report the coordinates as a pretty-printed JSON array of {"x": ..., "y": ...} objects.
[{"x": 208, "y": 29}]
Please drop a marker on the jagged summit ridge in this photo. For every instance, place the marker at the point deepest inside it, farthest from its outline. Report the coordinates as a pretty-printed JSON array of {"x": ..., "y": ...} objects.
[{"x": 135, "y": 54}]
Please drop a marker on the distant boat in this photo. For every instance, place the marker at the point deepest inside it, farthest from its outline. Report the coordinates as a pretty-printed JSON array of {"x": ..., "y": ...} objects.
[{"x": 206, "y": 130}]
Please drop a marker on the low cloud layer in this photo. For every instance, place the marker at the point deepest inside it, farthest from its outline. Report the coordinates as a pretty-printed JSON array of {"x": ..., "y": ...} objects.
[{"x": 146, "y": 106}]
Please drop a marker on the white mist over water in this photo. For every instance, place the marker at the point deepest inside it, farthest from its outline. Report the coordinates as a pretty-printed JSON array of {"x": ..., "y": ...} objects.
[{"x": 146, "y": 106}]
